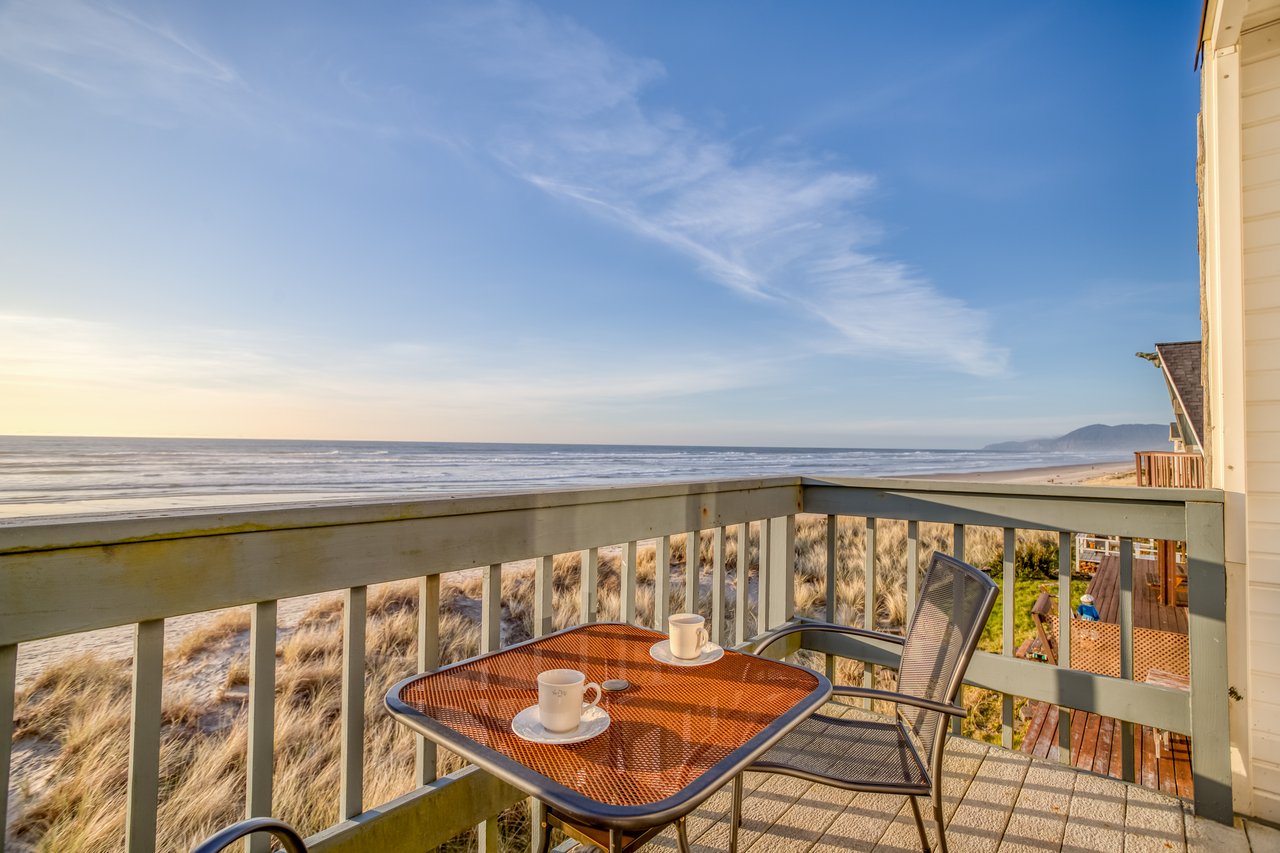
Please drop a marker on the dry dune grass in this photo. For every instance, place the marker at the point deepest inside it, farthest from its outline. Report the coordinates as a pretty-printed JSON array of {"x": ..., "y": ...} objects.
[{"x": 80, "y": 708}]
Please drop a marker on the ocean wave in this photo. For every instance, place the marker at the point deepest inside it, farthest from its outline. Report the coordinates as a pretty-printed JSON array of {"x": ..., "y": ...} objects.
[{"x": 66, "y": 469}]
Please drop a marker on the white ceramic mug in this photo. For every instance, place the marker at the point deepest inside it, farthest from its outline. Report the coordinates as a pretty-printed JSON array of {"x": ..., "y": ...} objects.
[
  {"x": 560, "y": 704},
  {"x": 688, "y": 635}
]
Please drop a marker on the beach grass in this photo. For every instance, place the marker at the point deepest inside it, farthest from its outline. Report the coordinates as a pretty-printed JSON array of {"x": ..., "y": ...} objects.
[{"x": 78, "y": 709}]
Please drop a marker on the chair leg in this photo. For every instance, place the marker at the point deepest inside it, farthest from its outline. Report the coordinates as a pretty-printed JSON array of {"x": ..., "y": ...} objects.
[
  {"x": 924, "y": 836},
  {"x": 735, "y": 814},
  {"x": 937, "y": 823},
  {"x": 682, "y": 836}
]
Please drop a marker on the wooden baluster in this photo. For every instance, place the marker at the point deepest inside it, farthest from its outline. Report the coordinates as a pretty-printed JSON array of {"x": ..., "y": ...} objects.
[
  {"x": 8, "y": 685},
  {"x": 1008, "y": 583},
  {"x": 488, "y": 832},
  {"x": 589, "y": 586},
  {"x": 262, "y": 710},
  {"x": 957, "y": 551},
  {"x": 629, "y": 583},
  {"x": 662, "y": 584},
  {"x": 782, "y": 569},
  {"x": 424, "y": 768},
  {"x": 764, "y": 578},
  {"x": 1064, "y": 640},
  {"x": 351, "y": 793},
  {"x": 491, "y": 609},
  {"x": 537, "y": 817},
  {"x": 743, "y": 578},
  {"x": 1126, "y": 650},
  {"x": 1207, "y": 633},
  {"x": 717, "y": 586},
  {"x": 692, "y": 570},
  {"x": 833, "y": 534},
  {"x": 487, "y": 836},
  {"x": 913, "y": 567},
  {"x": 869, "y": 598},
  {"x": 144, "y": 737},
  {"x": 543, "y": 611}
]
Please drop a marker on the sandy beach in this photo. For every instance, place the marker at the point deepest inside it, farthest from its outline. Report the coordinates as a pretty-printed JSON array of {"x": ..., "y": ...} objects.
[{"x": 1095, "y": 474}]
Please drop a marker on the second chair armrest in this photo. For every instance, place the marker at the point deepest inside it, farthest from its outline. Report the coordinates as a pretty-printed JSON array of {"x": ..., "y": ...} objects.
[
  {"x": 818, "y": 627},
  {"x": 900, "y": 699},
  {"x": 289, "y": 838}
]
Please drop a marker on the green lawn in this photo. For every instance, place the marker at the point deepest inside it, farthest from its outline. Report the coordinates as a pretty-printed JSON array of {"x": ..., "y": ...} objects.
[
  {"x": 984, "y": 720},
  {"x": 1025, "y": 593}
]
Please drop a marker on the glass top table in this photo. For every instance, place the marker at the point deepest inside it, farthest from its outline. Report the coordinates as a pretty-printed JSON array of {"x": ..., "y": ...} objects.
[{"x": 677, "y": 734}]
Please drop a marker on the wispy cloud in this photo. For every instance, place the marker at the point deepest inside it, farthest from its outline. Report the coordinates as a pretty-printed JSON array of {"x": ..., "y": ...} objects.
[
  {"x": 110, "y": 52},
  {"x": 783, "y": 229},
  {"x": 567, "y": 112}
]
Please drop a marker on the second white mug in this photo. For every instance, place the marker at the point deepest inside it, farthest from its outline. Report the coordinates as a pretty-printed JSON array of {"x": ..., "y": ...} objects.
[
  {"x": 688, "y": 634},
  {"x": 560, "y": 694}
]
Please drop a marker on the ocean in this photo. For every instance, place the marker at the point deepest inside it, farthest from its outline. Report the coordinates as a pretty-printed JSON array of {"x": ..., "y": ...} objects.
[{"x": 40, "y": 475}]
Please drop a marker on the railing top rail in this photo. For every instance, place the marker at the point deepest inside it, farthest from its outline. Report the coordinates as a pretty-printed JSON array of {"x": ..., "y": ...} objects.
[
  {"x": 65, "y": 575},
  {"x": 1108, "y": 494},
  {"x": 41, "y": 533},
  {"x": 78, "y": 576}
]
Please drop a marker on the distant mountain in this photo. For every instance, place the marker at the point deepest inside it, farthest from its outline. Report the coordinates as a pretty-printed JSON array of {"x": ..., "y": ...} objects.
[{"x": 1095, "y": 438}]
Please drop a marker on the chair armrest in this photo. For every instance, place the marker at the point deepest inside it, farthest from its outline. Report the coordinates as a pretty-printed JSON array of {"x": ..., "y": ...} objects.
[
  {"x": 900, "y": 699},
  {"x": 289, "y": 838},
  {"x": 818, "y": 627}
]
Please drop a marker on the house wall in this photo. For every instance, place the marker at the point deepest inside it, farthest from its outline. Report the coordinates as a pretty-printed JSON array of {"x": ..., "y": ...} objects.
[
  {"x": 1260, "y": 301},
  {"x": 1241, "y": 307}
]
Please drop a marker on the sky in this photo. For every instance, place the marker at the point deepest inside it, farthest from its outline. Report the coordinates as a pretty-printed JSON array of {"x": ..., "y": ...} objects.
[{"x": 730, "y": 223}]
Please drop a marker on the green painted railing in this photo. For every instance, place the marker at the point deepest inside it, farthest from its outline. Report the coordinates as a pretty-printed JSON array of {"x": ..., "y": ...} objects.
[
  {"x": 71, "y": 575},
  {"x": 1193, "y": 516}
]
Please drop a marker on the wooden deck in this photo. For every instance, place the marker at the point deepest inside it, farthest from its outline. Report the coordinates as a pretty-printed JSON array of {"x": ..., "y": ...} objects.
[
  {"x": 1148, "y": 610},
  {"x": 1095, "y": 741},
  {"x": 996, "y": 801},
  {"x": 1095, "y": 746}
]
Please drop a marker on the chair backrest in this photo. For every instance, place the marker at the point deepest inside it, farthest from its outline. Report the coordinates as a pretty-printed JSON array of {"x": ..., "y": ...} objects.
[{"x": 954, "y": 604}]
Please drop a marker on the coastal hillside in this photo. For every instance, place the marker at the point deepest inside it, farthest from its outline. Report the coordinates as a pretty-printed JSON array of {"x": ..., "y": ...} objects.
[{"x": 1121, "y": 438}]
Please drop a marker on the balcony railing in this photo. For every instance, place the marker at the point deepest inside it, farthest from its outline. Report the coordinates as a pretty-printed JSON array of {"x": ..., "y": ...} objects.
[
  {"x": 67, "y": 576},
  {"x": 1169, "y": 470}
]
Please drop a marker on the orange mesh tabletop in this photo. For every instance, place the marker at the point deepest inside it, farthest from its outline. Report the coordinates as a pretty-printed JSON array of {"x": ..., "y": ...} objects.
[{"x": 675, "y": 736}]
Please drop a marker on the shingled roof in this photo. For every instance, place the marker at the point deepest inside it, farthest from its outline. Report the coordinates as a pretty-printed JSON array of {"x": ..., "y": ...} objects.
[{"x": 1181, "y": 365}]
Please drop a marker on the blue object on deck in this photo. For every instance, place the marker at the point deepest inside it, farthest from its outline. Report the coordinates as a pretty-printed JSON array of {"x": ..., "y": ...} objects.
[{"x": 1088, "y": 612}]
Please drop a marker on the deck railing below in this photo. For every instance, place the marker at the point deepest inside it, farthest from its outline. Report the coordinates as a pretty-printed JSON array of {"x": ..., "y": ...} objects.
[
  {"x": 1165, "y": 469},
  {"x": 64, "y": 577}
]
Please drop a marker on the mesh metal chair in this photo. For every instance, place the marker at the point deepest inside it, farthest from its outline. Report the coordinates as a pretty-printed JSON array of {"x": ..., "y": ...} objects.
[
  {"x": 288, "y": 837},
  {"x": 900, "y": 754}
]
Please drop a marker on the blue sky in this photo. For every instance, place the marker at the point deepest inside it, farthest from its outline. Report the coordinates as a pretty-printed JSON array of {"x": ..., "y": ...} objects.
[{"x": 837, "y": 224}]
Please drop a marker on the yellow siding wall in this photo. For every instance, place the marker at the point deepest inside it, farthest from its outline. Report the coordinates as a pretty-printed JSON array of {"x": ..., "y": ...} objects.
[{"x": 1260, "y": 274}]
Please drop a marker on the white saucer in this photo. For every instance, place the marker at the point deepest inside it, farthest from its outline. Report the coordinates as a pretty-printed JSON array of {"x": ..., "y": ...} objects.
[
  {"x": 526, "y": 725},
  {"x": 661, "y": 651}
]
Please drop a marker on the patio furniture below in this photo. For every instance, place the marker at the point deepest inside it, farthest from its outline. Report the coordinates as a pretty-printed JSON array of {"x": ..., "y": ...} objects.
[
  {"x": 1160, "y": 656},
  {"x": 1160, "y": 639},
  {"x": 900, "y": 754}
]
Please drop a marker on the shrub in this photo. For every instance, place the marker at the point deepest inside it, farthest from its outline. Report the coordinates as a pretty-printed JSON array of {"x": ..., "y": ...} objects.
[{"x": 1034, "y": 559}]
